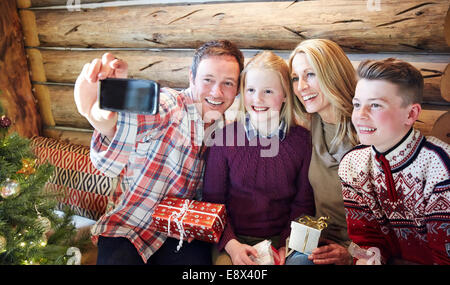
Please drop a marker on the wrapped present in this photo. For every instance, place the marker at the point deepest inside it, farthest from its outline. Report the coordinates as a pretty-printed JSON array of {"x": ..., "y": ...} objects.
[
  {"x": 305, "y": 234},
  {"x": 370, "y": 256},
  {"x": 189, "y": 219},
  {"x": 267, "y": 254}
]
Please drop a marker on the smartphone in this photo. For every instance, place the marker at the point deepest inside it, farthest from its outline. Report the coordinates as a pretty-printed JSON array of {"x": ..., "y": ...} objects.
[{"x": 129, "y": 95}]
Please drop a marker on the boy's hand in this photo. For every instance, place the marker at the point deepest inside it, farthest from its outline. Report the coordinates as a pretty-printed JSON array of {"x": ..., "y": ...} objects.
[
  {"x": 85, "y": 91},
  {"x": 240, "y": 253}
]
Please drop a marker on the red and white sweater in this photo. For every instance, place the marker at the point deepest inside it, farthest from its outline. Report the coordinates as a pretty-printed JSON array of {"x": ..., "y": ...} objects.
[{"x": 399, "y": 201}]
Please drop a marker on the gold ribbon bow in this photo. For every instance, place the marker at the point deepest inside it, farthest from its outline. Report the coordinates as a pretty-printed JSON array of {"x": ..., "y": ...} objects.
[{"x": 319, "y": 224}]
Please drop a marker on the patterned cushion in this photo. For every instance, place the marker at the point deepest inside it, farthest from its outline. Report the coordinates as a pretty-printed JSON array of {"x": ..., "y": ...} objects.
[{"x": 87, "y": 190}]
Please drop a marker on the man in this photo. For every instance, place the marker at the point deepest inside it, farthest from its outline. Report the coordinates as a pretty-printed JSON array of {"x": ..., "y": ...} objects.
[{"x": 157, "y": 155}]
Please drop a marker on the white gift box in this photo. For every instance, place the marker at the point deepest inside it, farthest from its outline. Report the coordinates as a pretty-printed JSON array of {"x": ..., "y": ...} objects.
[{"x": 303, "y": 238}]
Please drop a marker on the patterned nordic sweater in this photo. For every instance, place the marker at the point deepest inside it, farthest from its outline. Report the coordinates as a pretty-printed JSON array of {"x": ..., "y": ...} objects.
[{"x": 399, "y": 201}]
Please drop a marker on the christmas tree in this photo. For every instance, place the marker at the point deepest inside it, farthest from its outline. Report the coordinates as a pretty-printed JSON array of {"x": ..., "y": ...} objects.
[{"x": 30, "y": 230}]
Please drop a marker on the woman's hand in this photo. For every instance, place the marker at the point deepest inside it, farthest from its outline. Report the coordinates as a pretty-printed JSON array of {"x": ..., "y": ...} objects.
[
  {"x": 332, "y": 253},
  {"x": 240, "y": 253}
]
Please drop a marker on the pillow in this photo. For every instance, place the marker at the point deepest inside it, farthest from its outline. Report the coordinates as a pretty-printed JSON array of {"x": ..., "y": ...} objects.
[{"x": 87, "y": 191}]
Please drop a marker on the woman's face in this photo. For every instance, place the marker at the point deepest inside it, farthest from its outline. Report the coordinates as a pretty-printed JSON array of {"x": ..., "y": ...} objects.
[{"x": 307, "y": 90}]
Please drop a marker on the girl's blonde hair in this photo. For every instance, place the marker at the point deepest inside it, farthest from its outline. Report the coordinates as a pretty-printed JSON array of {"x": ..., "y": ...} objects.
[
  {"x": 337, "y": 81},
  {"x": 270, "y": 61}
]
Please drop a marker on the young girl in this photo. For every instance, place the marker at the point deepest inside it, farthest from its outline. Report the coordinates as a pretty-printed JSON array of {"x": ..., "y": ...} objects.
[
  {"x": 259, "y": 165},
  {"x": 324, "y": 83}
]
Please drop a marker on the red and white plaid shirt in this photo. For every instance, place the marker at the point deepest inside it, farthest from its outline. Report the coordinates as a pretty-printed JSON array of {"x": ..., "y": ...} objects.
[{"x": 155, "y": 156}]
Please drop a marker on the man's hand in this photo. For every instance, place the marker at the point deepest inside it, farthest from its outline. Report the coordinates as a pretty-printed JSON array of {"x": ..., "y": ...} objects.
[
  {"x": 332, "y": 253},
  {"x": 240, "y": 253},
  {"x": 85, "y": 92}
]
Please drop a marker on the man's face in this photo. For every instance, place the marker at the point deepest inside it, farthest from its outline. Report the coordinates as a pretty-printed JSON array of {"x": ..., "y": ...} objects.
[
  {"x": 215, "y": 85},
  {"x": 379, "y": 116}
]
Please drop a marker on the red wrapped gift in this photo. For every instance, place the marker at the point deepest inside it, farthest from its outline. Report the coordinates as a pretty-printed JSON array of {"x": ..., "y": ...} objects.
[{"x": 189, "y": 218}]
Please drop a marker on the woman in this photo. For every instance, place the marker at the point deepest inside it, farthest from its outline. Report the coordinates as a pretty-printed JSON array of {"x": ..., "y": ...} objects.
[{"x": 324, "y": 83}]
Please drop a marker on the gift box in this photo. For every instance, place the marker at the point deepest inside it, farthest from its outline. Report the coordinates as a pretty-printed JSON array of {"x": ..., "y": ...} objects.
[
  {"x": 185, "y": 218},
  {"x": 305, "y": 234},
  {"x": 267, "y": 254}
]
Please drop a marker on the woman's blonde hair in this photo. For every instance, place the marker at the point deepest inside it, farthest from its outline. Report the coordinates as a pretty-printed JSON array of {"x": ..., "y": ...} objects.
[
  {"x": 270, "y": 61},
  {"x": 337, "y": 81}
]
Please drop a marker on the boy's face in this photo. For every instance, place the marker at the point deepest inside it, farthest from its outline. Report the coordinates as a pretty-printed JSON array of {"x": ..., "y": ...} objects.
[
  {"x": 215, "y": 85},
  {"x": 378, "y": 114}
]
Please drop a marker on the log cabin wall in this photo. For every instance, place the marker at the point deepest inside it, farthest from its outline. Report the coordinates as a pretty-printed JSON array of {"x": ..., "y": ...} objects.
[
  {"x": 16, "y": 97},
  {"x": 158, "y": 38}
]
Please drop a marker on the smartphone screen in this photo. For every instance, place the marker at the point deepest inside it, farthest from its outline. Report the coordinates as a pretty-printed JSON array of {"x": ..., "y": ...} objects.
[{"x": 129, "y": 95}]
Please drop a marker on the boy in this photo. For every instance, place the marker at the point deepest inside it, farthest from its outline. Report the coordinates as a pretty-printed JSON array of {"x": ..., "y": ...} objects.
[{"x": 396, "y": 184}]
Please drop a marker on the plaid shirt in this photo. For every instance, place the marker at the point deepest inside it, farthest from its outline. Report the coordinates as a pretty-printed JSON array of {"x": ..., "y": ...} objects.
[{"x": 155, "y": 156}]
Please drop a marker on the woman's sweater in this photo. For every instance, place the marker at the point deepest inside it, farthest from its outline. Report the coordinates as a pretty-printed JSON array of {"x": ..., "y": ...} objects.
[{"x": 324, "y": 179}]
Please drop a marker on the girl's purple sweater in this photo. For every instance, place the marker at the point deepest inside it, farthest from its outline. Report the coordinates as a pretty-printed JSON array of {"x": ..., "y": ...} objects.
[{"x": 262, "y": 195}]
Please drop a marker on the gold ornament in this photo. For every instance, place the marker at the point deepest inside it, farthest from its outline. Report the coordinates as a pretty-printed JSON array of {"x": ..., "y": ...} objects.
[
  {"x": 9, "y": 188},
  {"x": 28, "y": 165}
]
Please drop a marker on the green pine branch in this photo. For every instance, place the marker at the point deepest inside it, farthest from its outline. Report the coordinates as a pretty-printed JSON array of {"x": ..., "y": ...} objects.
[{"x": 28, "y": 240}]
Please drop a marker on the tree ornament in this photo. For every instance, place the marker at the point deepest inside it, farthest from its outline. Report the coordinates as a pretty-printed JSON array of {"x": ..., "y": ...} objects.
[
  {"x": 9, "y": 188},
  {"x": 44, "y": 223},
  {"x": 27, "y": 166},
  {"x": 75, "y": 256},
  {"x": 2, "y": 244},
  {"x": 5, "y": 122}
]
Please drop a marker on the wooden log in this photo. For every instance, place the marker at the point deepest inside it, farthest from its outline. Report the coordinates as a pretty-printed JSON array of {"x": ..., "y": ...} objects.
[
  {"x": 447, "y": 28},
  {"x": 28, "y": 21},
  {"x": 63, "y": 108},
  {"x": 16, "y": 97},
  {"x": 428, "y": 119},
  {"x": 42, "y": 95},
  {"x": 408, "y": 26},
  {"x": 170, "y": 67},
  {"x": 83, "y": 4},
  {"x": 41, "y": 92},
  {"x": 445, "y": 83},
  {"x": 441, "y": 128},
  {"x": 69, "y": 135}
]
